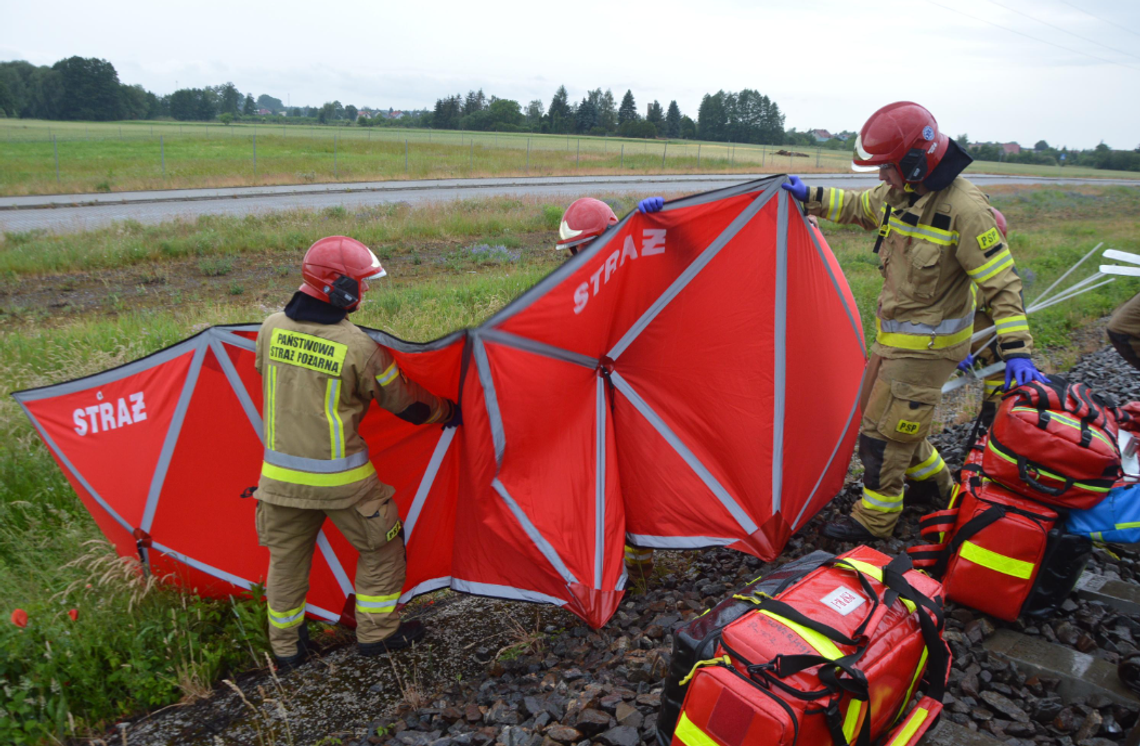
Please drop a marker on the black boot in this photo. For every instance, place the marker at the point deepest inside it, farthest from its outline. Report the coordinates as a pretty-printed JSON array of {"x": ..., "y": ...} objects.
[
  {"x": 848, "y": 529},
  {"x": 403, "y": 637},
  {"x": 925, "y": 493},
  {"x": 304, "y": 652}
]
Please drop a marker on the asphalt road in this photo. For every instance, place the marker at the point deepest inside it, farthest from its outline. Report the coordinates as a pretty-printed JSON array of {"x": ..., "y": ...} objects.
[{"x": 77, "y": 212}]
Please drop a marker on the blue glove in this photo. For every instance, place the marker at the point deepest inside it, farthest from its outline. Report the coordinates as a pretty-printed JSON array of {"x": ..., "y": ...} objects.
[
  {"x": 796, "y": 186},
  {"x": 1020, "y": 371},
  {"x": 650, "y": 204},
  {"x": 966, "y": 364}
]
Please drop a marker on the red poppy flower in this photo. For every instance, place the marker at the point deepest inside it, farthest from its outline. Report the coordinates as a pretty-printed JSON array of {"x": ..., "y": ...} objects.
[
  {"x": 20, "y": 618},
  {"x": 74, "y": 614}
]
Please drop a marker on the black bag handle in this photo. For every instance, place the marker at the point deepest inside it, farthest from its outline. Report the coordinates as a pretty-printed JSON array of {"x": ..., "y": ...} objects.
[{"x": 1023, "y": 472}]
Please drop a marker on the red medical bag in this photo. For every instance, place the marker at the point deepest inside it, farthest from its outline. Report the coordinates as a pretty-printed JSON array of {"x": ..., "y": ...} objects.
[
  {"x": 989, "y": 547},
  {"x": 831, "y": 659},
  {"x": 1055, "y": 443}
]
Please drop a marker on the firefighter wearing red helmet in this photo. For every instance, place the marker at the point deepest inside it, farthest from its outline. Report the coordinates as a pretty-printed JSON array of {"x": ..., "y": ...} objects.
[
  {"x": 939, "y": 248},
  {"x": 321, "y": 373},
  {"x": 587, "y": 218},
  {"x": 584, "y": 220}
]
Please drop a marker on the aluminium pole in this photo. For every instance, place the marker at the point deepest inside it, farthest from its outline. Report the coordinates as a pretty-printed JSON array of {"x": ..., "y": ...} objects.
[
  {"x": 255, "y": 152},
  {"x": 471, "y": 158},
  {"x": 528, "y": 155},
  {"x": 162, "y": 154},
  {"x": 55, "y": 148},
  {"x": 578, "y": 154},
  {"x": 698, "y": 155},
  {"x": 622, "y": 156},
  {"x": 405, "y": 155},
  {"x": 664, "y": 152},
  {"x": 336, "y": 174}
]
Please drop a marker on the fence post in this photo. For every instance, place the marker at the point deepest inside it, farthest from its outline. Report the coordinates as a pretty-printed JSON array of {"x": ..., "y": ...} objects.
[
  {"x": 336, "y": 173},
  {"x": 698, "y": 155},
  {"x": 255, "y": 152},
  {"x": 471, "y": 159},
  {"x": 731, "y": 154},
  {"x": 55, "y": 148},
  {"x": 817, "y": 151},
  {"x": 528, "y": 155},
  {"x": 622, "y": 156},
  {"x": 120, "y": 133},
  {"x": 405, "y": 155},
  {"x": 162, "y": 154},
  {"x": 763, "y": 155},
  {"x": 663, "y": 152},
  {"x": 578, "y": 155}
]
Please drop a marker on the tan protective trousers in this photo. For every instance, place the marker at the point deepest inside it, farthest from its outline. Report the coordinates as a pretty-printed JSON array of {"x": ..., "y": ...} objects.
[
  {"x": 372, "y": 526},
  {"x": 899, "y": 403},
  {"x": 1124, "y": 331}
]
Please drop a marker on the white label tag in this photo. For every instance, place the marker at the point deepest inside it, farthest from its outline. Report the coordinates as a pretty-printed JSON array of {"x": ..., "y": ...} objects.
[{"x": 843, "y": 600}]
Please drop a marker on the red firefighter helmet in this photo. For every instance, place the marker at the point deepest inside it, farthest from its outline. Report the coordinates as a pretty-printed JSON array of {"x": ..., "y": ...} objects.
[
  {"x": 902, "y": 134},
  {"x": 337, "y": 269},
  {"x": 584, "y": 220},
  {"x": 1000, "y": 219}
]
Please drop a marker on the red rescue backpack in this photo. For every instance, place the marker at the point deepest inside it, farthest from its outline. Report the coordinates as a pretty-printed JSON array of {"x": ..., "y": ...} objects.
[
  {"x": 1055, "y": 443},
  {"x": 832, "y": 658},
  {"x": 988, "y": 548}
]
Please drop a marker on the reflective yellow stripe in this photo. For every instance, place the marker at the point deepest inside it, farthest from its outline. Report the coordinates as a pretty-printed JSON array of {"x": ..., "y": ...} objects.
[
  {"x": 917, "y": 718},
  {"x": 865, "y": 198},
  {"x": 997, "y": 562},
  {"x": 875, "y": 501},
  {"x": 286, "y": 619},
  {"x": 925, "y": 232},
  {"x": 852, "y": 720},
  {"x": 821, "y": 644},
  {"x": 376, "y": 604},
  {"x": 268, "y": 405},
  {"x": 309, "y": 479},
  {"x": 1046, "y": 474},
  {"x": 699, "y": 664},
  {"x": 835, "y": 204},
  {"x": 1002, "y": 261},
  {"x": 690, "y": 735},
  {"x": 992, "y": 387},
  {"x": 927, "y": 468},
  {"x": 1067, "y": 421},
  {"x": 388, "y": 375},
  {"x": 1133, "y": 524},
  {"x": 1009, "y": 323},
  {"x": 913, "y": 682},
  {"x": 332, "y": 411},
  {"x": 921, "y": 341}
]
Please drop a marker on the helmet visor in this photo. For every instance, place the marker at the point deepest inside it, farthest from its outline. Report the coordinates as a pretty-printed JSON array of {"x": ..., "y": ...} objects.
[
  {"x": 377, "y": 270},
  {"x": 859, "y": 163}
]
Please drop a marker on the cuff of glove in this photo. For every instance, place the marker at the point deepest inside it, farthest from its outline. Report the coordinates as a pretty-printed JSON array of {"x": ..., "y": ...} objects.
[{"x": 1015, "y": 356}]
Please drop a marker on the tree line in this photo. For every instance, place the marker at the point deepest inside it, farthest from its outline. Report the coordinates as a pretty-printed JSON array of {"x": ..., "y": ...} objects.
[
  {"x": 746, "y": 117},
  {"x": 1044, "y": 154}
]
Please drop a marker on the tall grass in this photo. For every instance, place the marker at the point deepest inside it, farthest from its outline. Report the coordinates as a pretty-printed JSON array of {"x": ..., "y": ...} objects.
[{"x": 114, "y": 156}]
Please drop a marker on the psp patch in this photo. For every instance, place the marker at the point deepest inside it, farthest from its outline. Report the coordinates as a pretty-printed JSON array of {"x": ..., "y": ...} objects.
[
  {"x": 906, "y": 427},
  {"x": 395, "y": 530},
  {"x": 989, "y": 238},
  {"x": 307, "y": 351}
]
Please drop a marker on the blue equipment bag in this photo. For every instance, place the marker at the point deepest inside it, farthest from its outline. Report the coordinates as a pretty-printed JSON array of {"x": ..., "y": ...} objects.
[{"x": 1116, "y": 518}]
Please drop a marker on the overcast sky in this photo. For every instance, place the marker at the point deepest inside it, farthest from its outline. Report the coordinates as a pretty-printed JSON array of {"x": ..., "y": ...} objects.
[{"x": 828, "y": 64}]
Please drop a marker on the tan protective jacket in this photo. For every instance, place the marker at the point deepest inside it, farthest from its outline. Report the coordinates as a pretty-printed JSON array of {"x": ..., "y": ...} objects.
[
  {"x": 932, "y": 255},
  {"x": 319, "y": 382}
]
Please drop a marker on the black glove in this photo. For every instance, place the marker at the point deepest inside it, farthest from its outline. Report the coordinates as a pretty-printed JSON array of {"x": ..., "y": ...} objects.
[{"x": 456, "y": 416}]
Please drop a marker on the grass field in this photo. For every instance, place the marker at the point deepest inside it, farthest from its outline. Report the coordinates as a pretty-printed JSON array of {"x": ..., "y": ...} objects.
[
  {"x": 128, "y": 156},
  {"x": 76, "y": 304}
]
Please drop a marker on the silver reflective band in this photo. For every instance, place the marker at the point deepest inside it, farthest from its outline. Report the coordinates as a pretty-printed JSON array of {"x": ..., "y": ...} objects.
[
  {"x": 679, "y": 542},
  {"x": 316, "y": 465},
  {"x": 949, "y": 326}
]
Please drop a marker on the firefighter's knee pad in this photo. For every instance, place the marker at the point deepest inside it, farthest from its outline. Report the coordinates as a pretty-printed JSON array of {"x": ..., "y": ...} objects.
[{"x": 871, "y": 453}]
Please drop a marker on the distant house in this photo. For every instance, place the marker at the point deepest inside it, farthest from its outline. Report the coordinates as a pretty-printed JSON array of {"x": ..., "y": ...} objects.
[
  {"x": 264, "y": 112},
  {"x": 844, "y": 136},
  {"x": 395, "y": 114},
  {"x": 1011, "y": 148},
  {"x": 365, "y": 114},
  {"x": 821, "y": 135}
]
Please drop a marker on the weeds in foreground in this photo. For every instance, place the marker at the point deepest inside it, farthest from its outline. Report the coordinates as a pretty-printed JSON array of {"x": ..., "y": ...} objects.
[
  {"x": 524, "y": 641},
  {"x": 270, "y": 719},
  {"x": 412, "y": 692}
]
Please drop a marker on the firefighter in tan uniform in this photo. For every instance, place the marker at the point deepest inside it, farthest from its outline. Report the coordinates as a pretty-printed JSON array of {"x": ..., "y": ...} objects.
[
  {"x": 938, "y": 248},
  {"x": 584, "y": 220},
  {"x": 321, "y": 373},
  {"x": 1124, "y": 331},
  {"x": 984, "y": 352}
]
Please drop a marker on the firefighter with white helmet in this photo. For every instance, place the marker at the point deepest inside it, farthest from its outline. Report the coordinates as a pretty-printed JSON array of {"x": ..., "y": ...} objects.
[
  {"x": 584, "y": 220},
  {"x": 938, "y": 247},
  {"x": 321, "y": 373}
]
